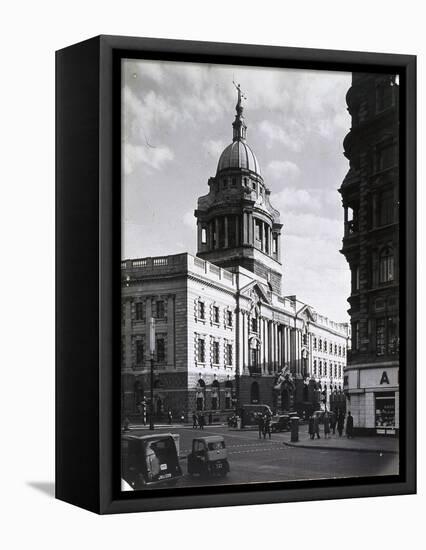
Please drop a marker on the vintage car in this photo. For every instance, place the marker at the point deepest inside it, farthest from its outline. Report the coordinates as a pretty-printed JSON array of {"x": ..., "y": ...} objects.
[
  {"x": 209, "y": 456},
  {"x": 149, "y": 460},
  {"x": 280, "y": 423}
]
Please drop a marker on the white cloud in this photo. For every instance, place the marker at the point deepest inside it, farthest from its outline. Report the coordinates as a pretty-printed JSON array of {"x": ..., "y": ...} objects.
[
  {"x": 274, "y": 132},
  {"x": 282, "y": 169},
  {"x": 152, "y": 158},
  {"x": 213, "y": 147}
]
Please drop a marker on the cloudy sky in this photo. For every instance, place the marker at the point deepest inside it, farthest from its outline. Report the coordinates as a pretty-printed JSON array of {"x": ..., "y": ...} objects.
[{"x": 176, "y": 120}]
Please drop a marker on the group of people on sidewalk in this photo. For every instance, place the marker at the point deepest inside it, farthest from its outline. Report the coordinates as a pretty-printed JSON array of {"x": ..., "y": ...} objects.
[
  {"x": 331, "y": 422},
  {"x": 264, "y": 425},
  {"x": 198, "y": 421}
]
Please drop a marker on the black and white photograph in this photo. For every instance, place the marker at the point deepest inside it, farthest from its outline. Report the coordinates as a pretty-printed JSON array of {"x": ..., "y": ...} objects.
[{"x": 259, "y": 274}]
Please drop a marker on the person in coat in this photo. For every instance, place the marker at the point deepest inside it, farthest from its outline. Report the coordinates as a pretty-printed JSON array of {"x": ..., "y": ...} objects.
[
  {"x": 316, "y": 427},
  {"x": 201, "y": 421},
  {"x": 266, "y": 426},
  {"x": 326, "y": 425},
  {"x": 260, "y": 425},
  {"x": 349, "y": 425},
  {"x": 311, "y": 429},
  {"x": 194, "y": 420},
  {"x": 333, "y": 422},
  {"x": 340, "y": 423}
]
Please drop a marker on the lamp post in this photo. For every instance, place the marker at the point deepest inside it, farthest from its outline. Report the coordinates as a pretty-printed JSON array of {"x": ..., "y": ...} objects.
[{"x": 152, "y": 354}]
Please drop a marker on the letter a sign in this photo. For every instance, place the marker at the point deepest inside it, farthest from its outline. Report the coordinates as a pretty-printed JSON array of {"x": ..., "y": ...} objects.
[{"x": 384, "y": 379}]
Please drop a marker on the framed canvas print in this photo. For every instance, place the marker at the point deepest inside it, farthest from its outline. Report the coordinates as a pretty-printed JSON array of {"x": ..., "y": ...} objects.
[{"x": 235, "y": 274}]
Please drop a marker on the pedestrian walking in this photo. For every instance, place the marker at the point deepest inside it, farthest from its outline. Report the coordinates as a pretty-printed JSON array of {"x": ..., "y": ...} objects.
[
  {"x": 316, "y": 427},
  {"x": 326, "y": 425},
  {"x": 201, "y": 421},
  {"x": 311, "y": 428},
  {"x": 210, "y": 418},
  {"x": 333, "y": 422},
  {"x": 266, "y": 426},
  {"x": 194, "y": 421},
  {"x": 340, "y": 423},
  {"x": 169, "y": 416},
  {"x": 260, "y": 425},
  {"x": 349, "y": 425}
]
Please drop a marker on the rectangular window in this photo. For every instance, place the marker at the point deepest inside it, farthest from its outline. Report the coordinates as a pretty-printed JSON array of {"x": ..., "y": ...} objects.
[
  {"x": 355, "y": 335},
  {"x": 201, "y": 351},
  {"x": 229, "y": 354},
  {"x": 139, "y": 311},
  {"x": 325, "y": 346},
  {"x": 315, "y": 367},
  {"x": 139, "y": 352},
  {"x": 393, "y": 336},
  {"x": 216, "y": 353},
  {"x": 315, "y": 343},
  {"x": 380, "y": 337},
  {"x": 161, "y": 350},
  {"x": 325, "y": 369},
  {"x": 340, "y": 371},
  {"x": 254, "y": 324},
  {"x": 229, "y": 317},
  {"x": 201, "y": 310},
  {"x": 355, "y": 279},
  {"x": 386, "y": 208},
  {"x": 160, "y": 309},
  {"x": 215, "y": 314}
]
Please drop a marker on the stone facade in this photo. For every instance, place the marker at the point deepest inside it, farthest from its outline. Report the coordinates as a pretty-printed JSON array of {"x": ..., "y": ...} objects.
[
  {"x": 225, "y": 334},
  {"x": 225, "y": 340},
  {"x": 370, "y": 196}
]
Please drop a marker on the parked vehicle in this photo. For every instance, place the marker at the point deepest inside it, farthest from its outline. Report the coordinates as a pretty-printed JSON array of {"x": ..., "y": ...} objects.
[
  {"x": 280, "y": 423},
  {"x": 209, "y": 456},
  {"x": 250, "y": 413},
  {"x": 150, "y": 460}
]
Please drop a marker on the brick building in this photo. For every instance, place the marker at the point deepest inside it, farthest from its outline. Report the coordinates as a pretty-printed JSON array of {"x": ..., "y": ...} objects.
[
  {"x": 370, "y": 196},
  {"x": 225, "y": 334}
]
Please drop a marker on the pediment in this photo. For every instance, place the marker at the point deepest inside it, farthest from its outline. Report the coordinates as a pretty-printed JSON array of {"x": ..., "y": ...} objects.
[
  {"x": 256, "y": 291},
  {"x": 307, "y": 314}
]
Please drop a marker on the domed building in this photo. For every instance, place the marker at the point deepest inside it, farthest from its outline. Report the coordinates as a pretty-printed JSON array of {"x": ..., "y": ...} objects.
[
  {"x": 225, "y": 336},
  {"x": 237, "y": 225}
]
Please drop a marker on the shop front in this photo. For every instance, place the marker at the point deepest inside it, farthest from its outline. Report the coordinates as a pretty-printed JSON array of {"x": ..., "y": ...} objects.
[{"x": 385, "y": 413}]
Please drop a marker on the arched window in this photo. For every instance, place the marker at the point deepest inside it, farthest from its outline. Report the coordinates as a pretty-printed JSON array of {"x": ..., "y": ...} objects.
[
  {"x": 386, "y": 265},
  {"x": 254, "y": 393}
]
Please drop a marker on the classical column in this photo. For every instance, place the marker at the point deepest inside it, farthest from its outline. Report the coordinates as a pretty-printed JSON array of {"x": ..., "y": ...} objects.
[
  {"x": 250, "y": 229},
  {"x": 245, "y": 227},
  {"x": 210, "y": 235},
  {"x": 216, "y": 221},
  {"x": 237, "y": 232},
  {"x": 226, "y": 231}
]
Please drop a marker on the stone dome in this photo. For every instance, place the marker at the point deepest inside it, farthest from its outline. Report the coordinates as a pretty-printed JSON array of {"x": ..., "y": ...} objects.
[{"x": 238, "y": 155}]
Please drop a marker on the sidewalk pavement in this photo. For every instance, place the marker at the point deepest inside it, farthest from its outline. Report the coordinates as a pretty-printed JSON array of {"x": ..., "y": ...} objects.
[{"x": 380, "y": 444}]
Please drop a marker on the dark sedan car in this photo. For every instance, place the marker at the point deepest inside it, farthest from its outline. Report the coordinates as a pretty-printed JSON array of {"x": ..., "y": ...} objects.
[{"x": 280, "y": 423}]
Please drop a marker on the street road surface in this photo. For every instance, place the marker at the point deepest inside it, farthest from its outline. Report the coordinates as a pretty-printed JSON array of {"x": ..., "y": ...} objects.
[{"x": 257, "y": 460}]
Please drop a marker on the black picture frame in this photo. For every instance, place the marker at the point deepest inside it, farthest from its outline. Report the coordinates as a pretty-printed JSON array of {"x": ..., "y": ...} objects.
[{"x": 88, "y": 273}]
